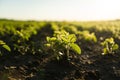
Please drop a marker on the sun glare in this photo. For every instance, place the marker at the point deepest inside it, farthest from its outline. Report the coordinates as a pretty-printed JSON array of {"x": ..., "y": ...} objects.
[{"x": 60, "y": 9}]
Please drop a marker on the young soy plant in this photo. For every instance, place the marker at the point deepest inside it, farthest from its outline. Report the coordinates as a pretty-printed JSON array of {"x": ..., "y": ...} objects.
[
  {"x": 5, "y": 46},
  {"x": 61, "y": 43},
  {"x": 87, "y": 36},
  {"x": 109, "y": 46}
]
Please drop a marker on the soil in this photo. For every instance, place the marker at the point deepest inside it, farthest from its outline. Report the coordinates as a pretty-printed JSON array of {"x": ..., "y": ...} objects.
[{"x": 90, "y": 65}]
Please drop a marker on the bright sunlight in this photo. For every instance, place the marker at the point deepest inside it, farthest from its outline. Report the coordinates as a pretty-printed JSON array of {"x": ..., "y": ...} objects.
[{"x": 60, "y": 9}]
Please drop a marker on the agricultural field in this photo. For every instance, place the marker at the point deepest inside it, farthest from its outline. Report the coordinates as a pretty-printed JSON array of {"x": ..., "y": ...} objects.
[{"x": 52, "y": 50}]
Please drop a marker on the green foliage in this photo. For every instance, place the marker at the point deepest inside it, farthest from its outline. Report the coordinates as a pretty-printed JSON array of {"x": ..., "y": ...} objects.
[
  {"x": 70, "y": 29},
  {"x": 76, "y": 48},
  {"x": 87, "y": 36},
  {"x": 5, "y": 46},
  {"x": 18, "y": 34},
  {"x": 61, "y": 43},
  {"x": 54, "y": 26},
  {"x": 109, "y": 46}
]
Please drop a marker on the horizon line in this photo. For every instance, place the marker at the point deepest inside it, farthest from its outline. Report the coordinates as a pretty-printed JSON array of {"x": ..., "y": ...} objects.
[{"x": 60, "y": 19}]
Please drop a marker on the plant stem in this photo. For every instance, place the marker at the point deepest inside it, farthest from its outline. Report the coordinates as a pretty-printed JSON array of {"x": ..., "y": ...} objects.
[{"x": 67, "y": 55}]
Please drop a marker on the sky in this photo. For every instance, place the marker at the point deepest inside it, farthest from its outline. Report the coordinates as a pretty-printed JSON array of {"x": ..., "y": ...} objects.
[{"x": 78, "y": 10}]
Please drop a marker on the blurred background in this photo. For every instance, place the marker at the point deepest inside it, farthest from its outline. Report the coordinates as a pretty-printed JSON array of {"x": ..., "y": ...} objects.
[{"x": 70, "y": 10}]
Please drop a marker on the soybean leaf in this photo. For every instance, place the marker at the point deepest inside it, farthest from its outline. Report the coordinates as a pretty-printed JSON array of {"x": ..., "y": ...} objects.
[
  {"x": 53, "y": 39},
  {"x": 75, "y": 48},
  {"x": 6, "y": 47},
  {"x": 104, "y": 51},
  {"x": 2, "y": 42},
  {"x": 64, "y": 39},
  {"x": 115, "y": 47},
  {"x": 72, "y": 38},
  {"x": 48, "y": 45},
  {"x": 48, "y": 39}
]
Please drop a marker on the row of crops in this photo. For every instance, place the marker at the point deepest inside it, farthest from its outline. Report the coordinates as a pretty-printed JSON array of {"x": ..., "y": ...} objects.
[
  {"x": 14, "y": 35},
  {"x": 108, "y": 26},
  {"x": 58, "y": 38}
]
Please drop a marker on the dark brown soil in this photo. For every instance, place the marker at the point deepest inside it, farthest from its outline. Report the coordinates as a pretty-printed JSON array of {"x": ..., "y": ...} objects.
[{"x": 90, "y": 65}]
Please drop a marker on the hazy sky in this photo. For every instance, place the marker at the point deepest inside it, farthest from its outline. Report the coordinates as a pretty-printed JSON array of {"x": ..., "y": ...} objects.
[{"x": 60, "y": 9}]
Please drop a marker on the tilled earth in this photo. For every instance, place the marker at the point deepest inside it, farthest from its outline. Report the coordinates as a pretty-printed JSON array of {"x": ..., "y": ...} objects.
[{"x": 90, "y": 65}]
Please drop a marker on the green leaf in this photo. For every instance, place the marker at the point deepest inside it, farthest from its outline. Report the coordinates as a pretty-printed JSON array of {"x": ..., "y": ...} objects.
[
  {"x": 102, "y": 43},
  {"x": 75, "y": 48},
  {"x": 48, "y": 45},
  {"x": 48, "y": 39},
  {"x": 20, "y": 33},
  {"x": 115, "y": 47},
  {"x": 2, "y": 42},
  {"x": 53, "y": 39},
  {"x": 6, "y": 47},
  {"x": 72, "y": 38},
  {"x": 110, "y": 40},
  {"x": 104, "y": 51},
  {"x": 57, "y": 32},
  {"x": 64, "y": 39},
  {"x": 94, "y": 37}
]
